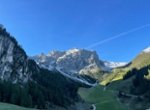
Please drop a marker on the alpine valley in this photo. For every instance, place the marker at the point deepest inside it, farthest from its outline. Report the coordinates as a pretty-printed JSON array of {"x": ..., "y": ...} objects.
[
  {"x": 24, "y": 83},
  {"x": 76, "y": 79}
]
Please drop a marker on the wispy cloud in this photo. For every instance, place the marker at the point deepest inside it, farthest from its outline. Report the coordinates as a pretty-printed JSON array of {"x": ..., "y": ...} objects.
[{"x": 117, "y": 36}]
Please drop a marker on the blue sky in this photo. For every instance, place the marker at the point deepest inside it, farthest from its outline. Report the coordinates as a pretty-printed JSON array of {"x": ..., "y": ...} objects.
[{"x": 45, "y": 25}]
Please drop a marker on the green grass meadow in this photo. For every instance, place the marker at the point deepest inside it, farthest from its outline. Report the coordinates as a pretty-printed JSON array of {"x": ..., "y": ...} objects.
[
  {"x": 102, "y": 98},
  {"x": 4, "y": 106}
]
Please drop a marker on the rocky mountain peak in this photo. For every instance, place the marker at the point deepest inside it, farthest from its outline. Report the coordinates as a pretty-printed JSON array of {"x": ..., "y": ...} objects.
[{"x": 71, "y": 63}]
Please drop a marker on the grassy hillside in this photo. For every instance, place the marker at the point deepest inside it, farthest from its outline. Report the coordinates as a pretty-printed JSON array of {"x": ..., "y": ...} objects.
[
  {"x": 4, "y": 106},
  {"x": 142, "y": 60},
  {"x": 102, "y": 98},
  {"x": 134, "y": 89},
  {"x": 117, "y": 74}
]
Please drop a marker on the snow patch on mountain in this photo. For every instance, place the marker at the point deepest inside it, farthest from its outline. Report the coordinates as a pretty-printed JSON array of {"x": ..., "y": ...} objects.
[
  {"x": 76, "y": 78},
  {"x": 112, "y": 65},
  {"x": 146, "y": 50}
]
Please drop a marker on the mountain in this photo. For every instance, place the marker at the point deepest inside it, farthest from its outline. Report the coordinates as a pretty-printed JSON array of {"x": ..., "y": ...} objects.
[
  {"x": 74, "y": 63},
  {"x": 24, "y": 83}
]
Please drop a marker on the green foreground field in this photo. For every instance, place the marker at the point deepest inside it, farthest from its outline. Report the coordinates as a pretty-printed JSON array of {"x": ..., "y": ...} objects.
[
  {"x": 4, "y": 106},
  {"x": 102, "y": 98}
]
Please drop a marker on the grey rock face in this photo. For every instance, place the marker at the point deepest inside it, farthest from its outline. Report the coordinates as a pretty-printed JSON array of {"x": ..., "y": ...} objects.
[
  {"x": 74, "y": 61},
  {"x": 13, "y": 60}
]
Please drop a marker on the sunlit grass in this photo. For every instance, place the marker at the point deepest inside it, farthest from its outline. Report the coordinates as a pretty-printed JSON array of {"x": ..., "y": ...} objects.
[{"x": 102, "y": 98}]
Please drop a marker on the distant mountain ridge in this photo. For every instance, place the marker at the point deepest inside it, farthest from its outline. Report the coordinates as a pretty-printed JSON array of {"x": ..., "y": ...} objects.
[
  {"x": 71, "y": 61},
  {"x": 75, "y": 62}
]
